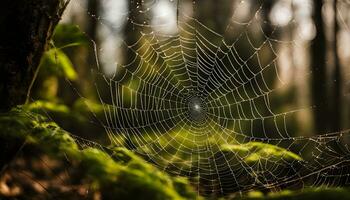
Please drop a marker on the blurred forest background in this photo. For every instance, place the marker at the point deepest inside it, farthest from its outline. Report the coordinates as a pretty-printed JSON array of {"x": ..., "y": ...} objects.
[
  {"x": 313, "y": 63},
  {"x": 85, "y": 155}
]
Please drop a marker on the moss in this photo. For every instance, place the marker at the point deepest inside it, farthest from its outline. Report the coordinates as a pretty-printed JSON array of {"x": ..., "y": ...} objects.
[
  {"x": 255, "y": 151},
  {"x": 145, "y": 185},
  {"x": 118, "y": 173},
  {"x": 80, "y": 112},
  {"x": 129, "y": 177},
  {"x": 182, "y": 187},
  {"x": 255, "y": 194},
  {"x": 277, "y": 163},
  {"x": 36, "y": 129},
  {"x": 307, "y": 194},
  {"x": 99, "y": 166},
  {"x": 39, "y": 106},
  {"x": 137, "y": 173}
]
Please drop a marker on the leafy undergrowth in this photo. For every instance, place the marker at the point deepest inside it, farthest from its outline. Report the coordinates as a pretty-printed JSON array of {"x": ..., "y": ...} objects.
[{"x": 112, "y": 173}]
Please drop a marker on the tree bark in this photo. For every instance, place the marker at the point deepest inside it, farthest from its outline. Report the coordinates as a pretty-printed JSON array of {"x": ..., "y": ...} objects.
[
  {"x": 26, "y": 26},
  {"x": 25, "y": 29}
]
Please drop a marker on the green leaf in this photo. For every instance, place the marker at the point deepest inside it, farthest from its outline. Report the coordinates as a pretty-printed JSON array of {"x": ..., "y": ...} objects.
[
  {"x": 56, "y": 62},
  {"x": 67, "y": 35}
]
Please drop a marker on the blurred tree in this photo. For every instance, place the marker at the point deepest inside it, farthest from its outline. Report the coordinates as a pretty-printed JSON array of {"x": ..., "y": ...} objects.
[
  {"x": 130, "y": 37},
  {"x": 29, "y": 26},
  {"x": 90, "y": 59},
  {"x": 214, "y": 14},
  {"x": 318, "y": 67},
  {"x": 132, "y": 29},
  {"x": 84, "y": 57},
  {"x": 266, "y": 9},
  {"x": 93, "y": 10},
  {"x": 337, "y": 101}
]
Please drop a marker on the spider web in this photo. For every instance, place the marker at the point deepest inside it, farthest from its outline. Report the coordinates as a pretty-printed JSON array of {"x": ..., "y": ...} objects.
[
  {"x": 208, "y": 104},
  {"x": 179, "y": 98}
]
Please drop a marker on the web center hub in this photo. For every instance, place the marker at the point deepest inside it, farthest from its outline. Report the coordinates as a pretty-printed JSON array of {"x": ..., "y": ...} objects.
[{"x": 197, "y": 109}]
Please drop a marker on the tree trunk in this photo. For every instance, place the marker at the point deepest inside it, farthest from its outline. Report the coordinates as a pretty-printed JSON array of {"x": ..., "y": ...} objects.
[
  {"x": 318, "y": 82},
  {"x": 25, "y": 29}
]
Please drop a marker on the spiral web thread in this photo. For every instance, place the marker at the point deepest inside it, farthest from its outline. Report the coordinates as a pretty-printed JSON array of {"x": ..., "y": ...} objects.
[{"x": 180, "y": 99}]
